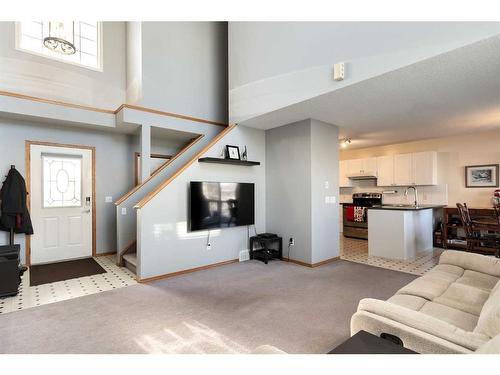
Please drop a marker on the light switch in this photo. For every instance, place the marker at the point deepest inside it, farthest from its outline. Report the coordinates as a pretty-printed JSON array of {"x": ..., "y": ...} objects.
[
  {"x": 333, "y": 199},
  {"x": 327, "y": 199},
  {"x": 327, "y": 184},
  {"x": 124, "y": 210},
  {"x": 108, "y": 199}
]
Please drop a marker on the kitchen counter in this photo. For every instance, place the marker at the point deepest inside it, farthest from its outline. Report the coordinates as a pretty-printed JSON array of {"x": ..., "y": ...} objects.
[
  {"x": 405, "y": 207},
  {"x": 399, "y": 232}
]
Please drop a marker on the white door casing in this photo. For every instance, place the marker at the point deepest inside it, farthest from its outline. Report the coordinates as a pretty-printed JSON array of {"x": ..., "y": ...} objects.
[{"x": 61, "y": 199}]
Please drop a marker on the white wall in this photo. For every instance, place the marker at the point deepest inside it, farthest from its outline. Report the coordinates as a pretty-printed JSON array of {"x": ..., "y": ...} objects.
[
  {"x": 276, "y": 64},
  {"x": 454, "y": 154},
  {"x": 114, "y": 168},
  {"x": 165, "y": 245},
  {"x": 29, "y": 74},
  {"x": 184, "y": 68}
]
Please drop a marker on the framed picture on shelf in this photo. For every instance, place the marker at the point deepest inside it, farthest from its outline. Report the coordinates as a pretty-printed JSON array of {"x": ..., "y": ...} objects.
[
  {"x": 233, "y": 152},
  {"x": 481, "y": 176}
]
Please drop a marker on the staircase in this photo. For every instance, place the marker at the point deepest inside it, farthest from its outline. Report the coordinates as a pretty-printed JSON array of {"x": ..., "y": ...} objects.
[{"x": 126, "y": 215}]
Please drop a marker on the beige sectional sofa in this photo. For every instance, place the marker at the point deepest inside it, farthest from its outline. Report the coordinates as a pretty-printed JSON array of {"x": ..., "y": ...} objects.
[{"x": 454, "y": 308}]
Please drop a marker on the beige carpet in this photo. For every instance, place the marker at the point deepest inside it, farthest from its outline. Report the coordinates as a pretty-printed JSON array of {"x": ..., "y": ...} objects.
[{"x": 229, "y": 309}]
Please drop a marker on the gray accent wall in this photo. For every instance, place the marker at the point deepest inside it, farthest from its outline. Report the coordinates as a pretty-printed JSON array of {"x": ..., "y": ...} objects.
[
  {"x": 288, "y": 190},
  {"x": 324, "y": 168},
  {"x": 301, "y": 158},
  {"x": 114, "y": 167},
  {"x": 165, "y": 245},
  {"x": 184, "y": 68}
]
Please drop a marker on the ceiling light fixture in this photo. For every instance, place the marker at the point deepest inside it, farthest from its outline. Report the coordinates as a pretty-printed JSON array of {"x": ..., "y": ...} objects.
[
  {"x": 61, "y": 37},
  {"x": 345, "y": 142}
]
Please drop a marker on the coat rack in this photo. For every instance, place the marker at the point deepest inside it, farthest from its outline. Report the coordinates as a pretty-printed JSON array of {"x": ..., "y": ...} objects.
[{"x": 11, "y": 234}]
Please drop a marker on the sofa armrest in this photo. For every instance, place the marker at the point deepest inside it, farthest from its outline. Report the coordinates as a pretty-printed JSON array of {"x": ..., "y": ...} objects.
[
  {"x": 423, "y": 322},
  {"x": 471, "y": 261}
]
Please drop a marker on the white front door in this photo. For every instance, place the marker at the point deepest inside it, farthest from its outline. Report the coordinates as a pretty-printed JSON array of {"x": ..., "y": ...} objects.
[{"x": 61, "y": 203}]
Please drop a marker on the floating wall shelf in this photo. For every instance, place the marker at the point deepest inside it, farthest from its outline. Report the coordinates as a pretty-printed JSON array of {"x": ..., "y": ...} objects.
[{"x": 246, "y": 163}]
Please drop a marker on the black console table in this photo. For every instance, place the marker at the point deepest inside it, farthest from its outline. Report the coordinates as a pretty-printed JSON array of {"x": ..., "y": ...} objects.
[
  {"x": 266, "y": 253},
  {"x": 366, "y": 343}
]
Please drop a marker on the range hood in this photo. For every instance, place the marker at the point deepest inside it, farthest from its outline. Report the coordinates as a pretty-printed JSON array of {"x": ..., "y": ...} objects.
[{"x": 364, "y": 176}]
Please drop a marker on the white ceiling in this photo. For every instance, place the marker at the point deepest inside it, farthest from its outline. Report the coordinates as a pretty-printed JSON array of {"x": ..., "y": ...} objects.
[{"x": 456, "y": 92}]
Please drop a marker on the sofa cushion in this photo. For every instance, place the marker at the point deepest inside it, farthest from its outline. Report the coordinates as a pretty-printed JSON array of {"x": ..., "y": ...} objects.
[
  {"x": 469, "y": 261},
  {"x": 410, "y": 302},
  {"x": 429, "y": 286},
  {"x": 478, "y": 280},
  {"x": 489, "y": 319},
  {"x": 447, "y": 269},
  {"x": 456, "y": 317},
  {"x": 463, "y": 297},
  {"x": 491, "y": 347}
]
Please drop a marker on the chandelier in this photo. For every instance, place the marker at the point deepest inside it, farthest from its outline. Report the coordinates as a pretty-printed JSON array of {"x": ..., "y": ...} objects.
[{"x": 61, "y": 37}]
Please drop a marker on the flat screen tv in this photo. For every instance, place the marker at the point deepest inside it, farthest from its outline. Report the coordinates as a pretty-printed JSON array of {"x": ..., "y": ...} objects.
[{"x": 221, "y": 205}]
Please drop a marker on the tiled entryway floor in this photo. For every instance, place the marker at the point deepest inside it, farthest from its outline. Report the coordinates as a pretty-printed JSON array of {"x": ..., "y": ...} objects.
[
  {"x": 357, "y": 251},
  {"x": 30, "y": 296}
]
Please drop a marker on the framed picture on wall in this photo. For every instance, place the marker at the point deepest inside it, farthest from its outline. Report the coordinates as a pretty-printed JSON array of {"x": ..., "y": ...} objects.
[
  {"x": 233, "y": 152},
  {"x": 481, "y": 176}
]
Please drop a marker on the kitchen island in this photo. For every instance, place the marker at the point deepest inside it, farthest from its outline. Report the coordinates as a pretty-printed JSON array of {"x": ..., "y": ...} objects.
[{"x": 400, "y": 231}]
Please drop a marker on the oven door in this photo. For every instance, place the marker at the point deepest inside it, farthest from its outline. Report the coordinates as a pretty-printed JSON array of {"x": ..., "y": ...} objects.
[{"x": 352, "y": 223}]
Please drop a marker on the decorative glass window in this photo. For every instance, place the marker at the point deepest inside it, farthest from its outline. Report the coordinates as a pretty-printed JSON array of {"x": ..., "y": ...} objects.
[
  {"x": 62, "y": 181},
  {"x": 87, "y": 40}
]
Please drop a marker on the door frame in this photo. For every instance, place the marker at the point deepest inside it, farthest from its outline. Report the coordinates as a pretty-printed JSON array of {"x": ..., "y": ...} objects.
[{"x": 28, "y": 144}]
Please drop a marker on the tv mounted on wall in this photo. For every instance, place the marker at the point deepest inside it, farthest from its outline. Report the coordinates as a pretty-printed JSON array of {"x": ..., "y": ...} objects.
[{"x": 221, "y": 205}]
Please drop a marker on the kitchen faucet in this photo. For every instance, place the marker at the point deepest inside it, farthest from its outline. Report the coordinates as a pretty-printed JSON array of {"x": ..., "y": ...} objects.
[{"x": 416, "y": 194}]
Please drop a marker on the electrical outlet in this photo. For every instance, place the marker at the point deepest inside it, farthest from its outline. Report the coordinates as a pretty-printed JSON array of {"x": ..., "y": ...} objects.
[
  {"x": 209, "y": 246},
  {"x": 291, "y": 242},
  {"x": 108, "y": 199},
  {"x": 124, "y": 210}
]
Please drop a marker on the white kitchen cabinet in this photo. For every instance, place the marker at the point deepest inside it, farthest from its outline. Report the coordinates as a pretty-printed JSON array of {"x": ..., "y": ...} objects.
[
  {"x": 354, "y": 167},
  {"x": 385, "y": 170},
  {"x": 403, "y": 170},
  {"x": 362, "y": 167},
  {"x": 370, "y": 166},
  {"x": 343, "y": 172},
  {"x": 424, "y": 168}
]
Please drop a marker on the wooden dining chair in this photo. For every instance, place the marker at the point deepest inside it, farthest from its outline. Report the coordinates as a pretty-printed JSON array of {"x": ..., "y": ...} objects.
[
  {"x": 496, "y": 207},
  {"x": 473, "y": 234}
]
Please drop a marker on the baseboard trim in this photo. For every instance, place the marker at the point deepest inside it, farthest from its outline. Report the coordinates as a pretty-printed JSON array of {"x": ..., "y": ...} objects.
[
  {"x": 189, "y": 270},
  {"x": 105, "y": 254},
  {"x": 311, "y": 265}
]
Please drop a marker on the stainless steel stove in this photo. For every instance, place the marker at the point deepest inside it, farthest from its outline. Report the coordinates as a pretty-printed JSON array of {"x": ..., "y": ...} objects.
[{"x": 355, "y": 214}]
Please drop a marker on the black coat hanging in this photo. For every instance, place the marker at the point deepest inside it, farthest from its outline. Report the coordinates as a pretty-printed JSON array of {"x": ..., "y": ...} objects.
[{"x": 14, "y": 213}]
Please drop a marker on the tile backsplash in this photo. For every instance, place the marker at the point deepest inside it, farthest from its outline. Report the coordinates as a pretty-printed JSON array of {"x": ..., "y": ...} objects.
[{"x": 437, "y": 194}]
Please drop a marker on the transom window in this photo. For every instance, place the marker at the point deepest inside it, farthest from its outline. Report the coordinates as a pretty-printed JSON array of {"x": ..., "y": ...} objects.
[
  {"x": 62, "y": 181},
  {"x": 87, "y": 40}
]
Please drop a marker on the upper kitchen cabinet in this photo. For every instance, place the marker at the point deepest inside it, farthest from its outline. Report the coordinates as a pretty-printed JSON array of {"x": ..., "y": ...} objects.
[
  {"x": 362, "y": 167},
  {"x": 425, "y": 168},
  {"x": 344, "y": 181},
  {"x": 418, "y": 168},
  {"x": 403, "y": 169},
  {"x": 385, "y": 170}
]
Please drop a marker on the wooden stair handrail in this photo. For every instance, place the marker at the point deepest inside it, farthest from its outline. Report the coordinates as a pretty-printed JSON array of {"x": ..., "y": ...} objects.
[
  {"x": 169, "y": 114},
  {"x": 161, "y": 168},
  {"x": 109, "y": 111},
  {"x": 160, "y": 187}
]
